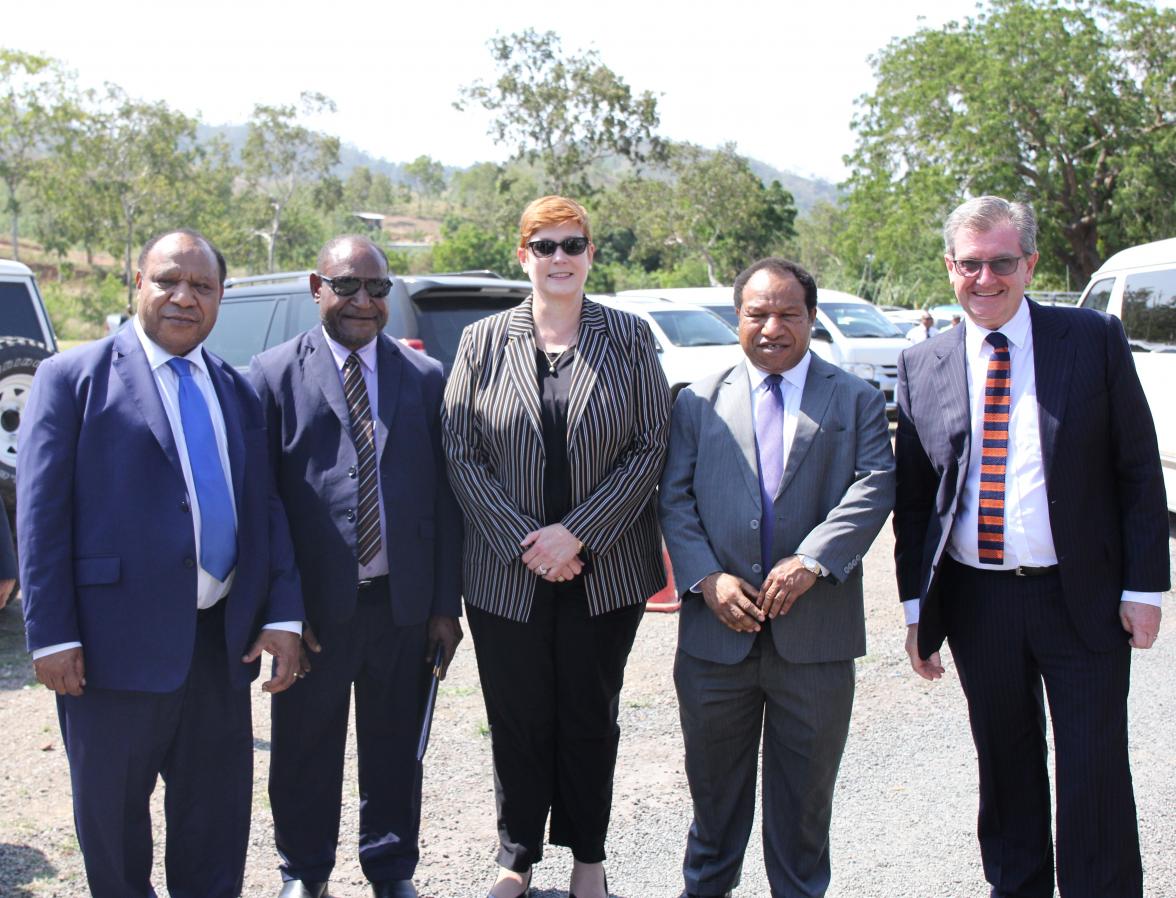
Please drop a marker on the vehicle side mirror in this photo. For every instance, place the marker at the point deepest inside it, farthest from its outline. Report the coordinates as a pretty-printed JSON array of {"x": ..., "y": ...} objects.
[{"x": 822, "y": 334}]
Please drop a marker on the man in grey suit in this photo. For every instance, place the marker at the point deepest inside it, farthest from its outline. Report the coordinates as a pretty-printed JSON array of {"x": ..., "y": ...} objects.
[{"x": 778, "y": 478}]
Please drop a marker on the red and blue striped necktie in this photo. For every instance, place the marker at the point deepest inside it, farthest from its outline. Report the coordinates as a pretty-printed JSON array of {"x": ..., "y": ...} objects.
[{"x": 994, "y": 451}]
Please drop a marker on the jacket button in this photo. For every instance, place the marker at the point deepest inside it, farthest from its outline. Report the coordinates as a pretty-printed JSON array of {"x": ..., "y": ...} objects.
[
  {"x": 189, "y": 562},
  {"x": 351, "y": 472},
  {"x": 755, "y": 524},
  {"x": 756, "y": 568},
  {"x": 351, "y": 514}
]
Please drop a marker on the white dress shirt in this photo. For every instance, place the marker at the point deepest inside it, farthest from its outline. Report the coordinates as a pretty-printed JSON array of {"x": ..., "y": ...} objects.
[
  {"x": 921, "y": 332},
  {"x": 1028, "y": 536},
  {"x": 378, "y": 566},
  {"x": 209, "y": 590}
]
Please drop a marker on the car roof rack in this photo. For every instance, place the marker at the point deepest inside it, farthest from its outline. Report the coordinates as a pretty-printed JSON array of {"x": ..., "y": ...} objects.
[{"x": 268, "y": 278}]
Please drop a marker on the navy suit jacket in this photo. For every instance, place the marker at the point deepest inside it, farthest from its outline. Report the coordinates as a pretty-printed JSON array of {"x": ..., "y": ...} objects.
[
  {"x": 1102, "y": 469},
  {"x": 315, "y": 463},
  {"x": 108, "y": 550}
]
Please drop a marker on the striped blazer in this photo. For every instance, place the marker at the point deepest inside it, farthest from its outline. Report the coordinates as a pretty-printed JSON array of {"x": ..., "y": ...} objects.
[{"x": 618, "y": 423}]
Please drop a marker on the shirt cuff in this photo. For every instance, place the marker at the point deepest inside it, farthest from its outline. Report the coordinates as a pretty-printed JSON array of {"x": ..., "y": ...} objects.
[
  {"x": 1144, "y": 598},
  {"x": 910, "y": 611},
  {"x": 290, "y": 626},
  {"x": 54, "y": 649}
]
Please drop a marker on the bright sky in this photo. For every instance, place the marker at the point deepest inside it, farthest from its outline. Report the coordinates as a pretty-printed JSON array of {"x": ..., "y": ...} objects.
[{"x": 778, "y": 78}]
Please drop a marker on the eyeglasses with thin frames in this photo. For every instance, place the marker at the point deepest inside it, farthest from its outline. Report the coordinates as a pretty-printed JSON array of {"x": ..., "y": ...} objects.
[{"x": 1001, "y": 267}]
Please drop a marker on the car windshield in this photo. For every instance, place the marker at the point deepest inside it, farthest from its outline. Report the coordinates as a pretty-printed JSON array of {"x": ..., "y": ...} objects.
[
  {"x": 729, "y": 314},
  {"x": 693, "y": 327},
  {"x": 18, "y": 316},
  {"x": 859, "y": 320}
]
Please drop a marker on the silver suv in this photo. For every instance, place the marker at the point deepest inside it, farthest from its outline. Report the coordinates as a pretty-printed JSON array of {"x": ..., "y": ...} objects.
[{"x": 26, "y": 339}]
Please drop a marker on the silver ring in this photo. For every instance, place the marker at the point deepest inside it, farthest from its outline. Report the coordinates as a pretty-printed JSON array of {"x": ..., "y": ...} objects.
[{"x": 543, "y": 571}]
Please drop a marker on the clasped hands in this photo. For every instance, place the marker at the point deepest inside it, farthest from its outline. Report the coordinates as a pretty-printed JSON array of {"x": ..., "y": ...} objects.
[
  {"x": 553, "y": 553},
  {"x": 743, "y": 608}
]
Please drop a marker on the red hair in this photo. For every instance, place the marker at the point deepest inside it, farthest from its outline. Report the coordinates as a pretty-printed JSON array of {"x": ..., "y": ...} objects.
[{"x": 551, "y": 211}]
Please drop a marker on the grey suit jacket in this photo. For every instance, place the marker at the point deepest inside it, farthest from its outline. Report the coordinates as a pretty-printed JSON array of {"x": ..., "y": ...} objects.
[{"x": 837, "y": 489}]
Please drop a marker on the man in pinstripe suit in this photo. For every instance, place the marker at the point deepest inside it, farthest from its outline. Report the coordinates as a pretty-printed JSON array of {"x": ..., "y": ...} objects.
[
  {"x": 1031, "y": 533},
  {"x": 353, "y": 420},
  {"x": 778, "y": 478}
]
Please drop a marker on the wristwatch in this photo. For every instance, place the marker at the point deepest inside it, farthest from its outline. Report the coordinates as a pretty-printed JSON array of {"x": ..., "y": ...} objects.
[{"x": 810, "y": 564}]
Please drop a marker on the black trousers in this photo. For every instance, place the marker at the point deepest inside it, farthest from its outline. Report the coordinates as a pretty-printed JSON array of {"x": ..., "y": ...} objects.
[
  {"x": 387, "y": 666},
  {"x": 552, "y": 687},
  {"x": 1010, "y": 635}
]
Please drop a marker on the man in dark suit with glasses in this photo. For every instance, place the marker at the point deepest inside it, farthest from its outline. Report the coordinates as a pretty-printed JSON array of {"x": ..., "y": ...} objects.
[{"x": 354, "y": 434}]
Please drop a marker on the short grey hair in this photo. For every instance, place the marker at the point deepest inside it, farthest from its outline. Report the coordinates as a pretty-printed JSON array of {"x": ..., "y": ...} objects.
[
  {"x": 335, "y": 243},
  {"x": 983, "y": 213}
]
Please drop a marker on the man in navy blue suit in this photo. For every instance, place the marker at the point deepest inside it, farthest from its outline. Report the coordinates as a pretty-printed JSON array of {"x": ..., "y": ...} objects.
[
  {"x": 1032, "y": 534},
  {"x": 157, "y": 568},
  {"x": 354, "y": 429}
]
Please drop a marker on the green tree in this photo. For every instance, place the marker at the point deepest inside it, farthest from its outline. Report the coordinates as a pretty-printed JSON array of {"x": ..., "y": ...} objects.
[
  {"x": 35, "y": 110},
  {"x": 137, "y": 162},
  {"x": 563, "y": 112},
  {"x": 493, "y": 196},
  {"x": 283, "y": 159},
  {"x": 713, "y": 207},
  {"x": 427, "y": 175},
  {"x": 467, "y": 247},
  {"x": 1068, "y": 105}
]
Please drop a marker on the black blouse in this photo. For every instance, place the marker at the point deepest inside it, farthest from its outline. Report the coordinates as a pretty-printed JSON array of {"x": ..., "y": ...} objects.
[{"x": 554, "y": 387}]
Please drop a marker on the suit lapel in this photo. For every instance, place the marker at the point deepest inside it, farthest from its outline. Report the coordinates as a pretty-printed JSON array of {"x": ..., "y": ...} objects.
[
  {"x": 234, "y": 434},
  {"x": 1053, "y": 358},
  {"x": 818, "y": 390},
  {"x": 389, "y": 371},
  {"x": 519, "y": 358},
  {"x": 733, "y": 406},
  {"x": 591, "y": 349},
  {"x": 130, "y": 362},
  {"x": 321, "y": 371},
  {"x": 951, "y": 385}
]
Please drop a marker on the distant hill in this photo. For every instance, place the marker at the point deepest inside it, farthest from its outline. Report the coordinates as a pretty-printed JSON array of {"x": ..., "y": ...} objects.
[{"x": 806, "y": 191}]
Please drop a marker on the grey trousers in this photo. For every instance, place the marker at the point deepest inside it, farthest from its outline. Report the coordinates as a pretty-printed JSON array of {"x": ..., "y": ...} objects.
[{"x": 803, "y": 711}]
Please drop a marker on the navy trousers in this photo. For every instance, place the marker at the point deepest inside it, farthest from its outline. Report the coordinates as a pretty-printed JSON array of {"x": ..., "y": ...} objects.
[
  {"x": 1010, "y": 636},
  {"x": 199, "y": 738},
  {"x": 387, "y": 665}
]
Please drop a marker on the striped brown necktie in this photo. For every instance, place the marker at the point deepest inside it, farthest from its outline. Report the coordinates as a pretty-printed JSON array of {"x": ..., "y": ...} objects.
[
  {"x": 363, "y": 434},
  {"x": 994, "y": 451}
]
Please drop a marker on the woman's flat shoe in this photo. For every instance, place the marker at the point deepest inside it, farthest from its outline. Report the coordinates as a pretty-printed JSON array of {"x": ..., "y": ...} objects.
[{"x": 525, "y": 893}]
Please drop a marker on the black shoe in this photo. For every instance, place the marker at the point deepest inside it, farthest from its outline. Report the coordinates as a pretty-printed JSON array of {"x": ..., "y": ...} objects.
[
  {"x": 394, "y": 888},
  {"x": 726, "y": 894},
  {"x": 299, "y": 888},
  {"x": 526, "y": 892}
]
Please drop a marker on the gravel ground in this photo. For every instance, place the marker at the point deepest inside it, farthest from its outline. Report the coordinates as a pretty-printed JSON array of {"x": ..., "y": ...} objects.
[{"x": 903, "y": 824}]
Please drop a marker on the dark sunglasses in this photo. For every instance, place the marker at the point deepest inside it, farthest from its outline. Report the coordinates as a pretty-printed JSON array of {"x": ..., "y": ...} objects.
[
  {"x": 1001, "y": 267},
  {"x": 571, "y": 246},
  {"x": 377, "y": 288}
]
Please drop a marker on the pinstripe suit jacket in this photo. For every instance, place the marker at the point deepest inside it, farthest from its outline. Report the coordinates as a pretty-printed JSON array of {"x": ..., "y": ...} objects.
[
  {"x": 1098, "y": 447},
  {"x": 618, "y": 418}
]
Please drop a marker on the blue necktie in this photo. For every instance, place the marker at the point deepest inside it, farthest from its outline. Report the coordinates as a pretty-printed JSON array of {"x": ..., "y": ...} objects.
[
  {"x": 769, "y": 442},
  {"x": 218, "y": 533}
]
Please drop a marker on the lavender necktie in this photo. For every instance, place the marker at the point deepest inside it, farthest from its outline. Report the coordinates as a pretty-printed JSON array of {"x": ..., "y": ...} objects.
[{"x": 769, "y": 442}]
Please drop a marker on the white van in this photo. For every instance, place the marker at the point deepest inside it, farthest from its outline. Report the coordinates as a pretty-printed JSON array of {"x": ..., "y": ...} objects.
[
  {"x": 849, "y": 331},
  {"x": 1138, "y": 286}
]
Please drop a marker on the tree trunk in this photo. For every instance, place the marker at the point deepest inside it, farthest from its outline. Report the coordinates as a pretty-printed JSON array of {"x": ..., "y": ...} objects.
[
  {"x": 127, "y": 258},
  {"x": 273, "y": 235},
  {"x": 13, "y": 207}
]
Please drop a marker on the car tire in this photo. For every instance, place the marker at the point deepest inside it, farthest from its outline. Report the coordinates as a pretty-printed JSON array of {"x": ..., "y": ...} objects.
[{"x": 19, "y": 360}]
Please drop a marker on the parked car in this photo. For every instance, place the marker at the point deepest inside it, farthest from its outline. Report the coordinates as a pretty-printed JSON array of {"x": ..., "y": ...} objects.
[
  {"x": 692, "y": 342},
  {"x": 1138, "y": 286},
  {"x": 849, "y": 332},
  {"x": 26, "y": 340},
  {"x": 427, "y": 312}
]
